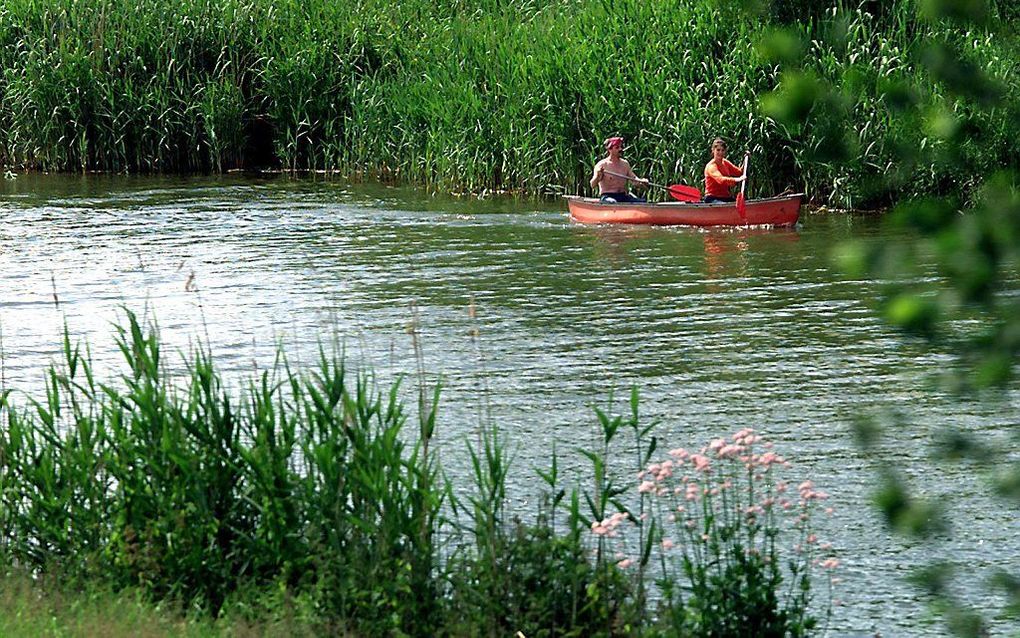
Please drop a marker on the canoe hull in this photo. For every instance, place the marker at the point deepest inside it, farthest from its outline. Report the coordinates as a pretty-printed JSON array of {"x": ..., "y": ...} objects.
[{"x": 773, "y": 211}]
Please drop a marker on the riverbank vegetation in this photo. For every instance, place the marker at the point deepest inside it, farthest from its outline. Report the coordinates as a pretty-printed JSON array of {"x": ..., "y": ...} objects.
[
  {"x": 476, "y": 94},
  {"x": 305, "y": 500},
  {"x": 48, "y": 607}
]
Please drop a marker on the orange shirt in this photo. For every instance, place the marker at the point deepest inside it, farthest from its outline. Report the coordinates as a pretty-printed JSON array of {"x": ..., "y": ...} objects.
[{"x": 718, "y": 179}]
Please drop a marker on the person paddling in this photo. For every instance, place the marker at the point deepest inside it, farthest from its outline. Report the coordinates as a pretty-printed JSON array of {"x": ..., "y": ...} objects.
[
  {"x": 721, "y": 175},
  {"x": 613, "y": 187}
]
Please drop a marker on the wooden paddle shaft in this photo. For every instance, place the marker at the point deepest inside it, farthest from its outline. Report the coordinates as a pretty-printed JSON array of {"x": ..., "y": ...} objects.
[
  {"x": 744, "y": 183},
  {"x": 679, "y": 192},
  {"x": 633, "y": 179}
]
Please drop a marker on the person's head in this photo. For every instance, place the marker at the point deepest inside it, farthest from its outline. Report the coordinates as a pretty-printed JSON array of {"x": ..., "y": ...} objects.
[
  {"x": 614, "y": 145},
  {"x": 718, "y": 148}
]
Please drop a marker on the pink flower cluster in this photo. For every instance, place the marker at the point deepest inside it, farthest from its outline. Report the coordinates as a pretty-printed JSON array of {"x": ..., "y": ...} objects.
[
  {"x": 740, "y": 447},
  {"x": 727, "y": 490},
  {"x": 607, "y": 526},
  {"x": 693, "y": 492},
  {"x": 809, "y": 493},
  {"x": 695, "y": 477}
]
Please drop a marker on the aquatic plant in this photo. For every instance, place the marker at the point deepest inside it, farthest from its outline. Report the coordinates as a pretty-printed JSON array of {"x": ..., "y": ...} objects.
[
  {"x": 305, "y": 495},
  {"x": 475, "y": 94}
]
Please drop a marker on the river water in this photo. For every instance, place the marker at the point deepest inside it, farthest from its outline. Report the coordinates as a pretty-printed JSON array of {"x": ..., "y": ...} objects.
[{"x": 718, "y": 329}]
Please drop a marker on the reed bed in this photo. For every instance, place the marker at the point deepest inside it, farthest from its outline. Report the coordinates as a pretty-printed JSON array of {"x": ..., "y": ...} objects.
[
  {"x": 304, "y": 496},
  {"x": 187, "y": 493},
  {"x": 463, "y": 94},
  {"x": 307, "y": 501}
]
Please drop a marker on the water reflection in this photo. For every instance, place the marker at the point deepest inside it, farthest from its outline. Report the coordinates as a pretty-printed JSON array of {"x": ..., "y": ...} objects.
[
  {"x": 611, "y": 242},
  {"x": 724, "y": 249}
]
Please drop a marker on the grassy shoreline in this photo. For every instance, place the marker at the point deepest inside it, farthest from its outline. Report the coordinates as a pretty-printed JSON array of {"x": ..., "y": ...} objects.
[
  {"x": 473, "y": 94},
  {"x": 311, "y": 498}
]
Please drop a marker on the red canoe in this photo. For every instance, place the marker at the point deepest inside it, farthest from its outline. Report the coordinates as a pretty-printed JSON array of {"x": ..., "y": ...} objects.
[{"x": 773, "y": 211}]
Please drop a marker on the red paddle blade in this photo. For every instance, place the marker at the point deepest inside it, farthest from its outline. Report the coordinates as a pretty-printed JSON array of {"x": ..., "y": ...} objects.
[
  {"x": 684, "y": 193},
  {"x": 741, "y": 208}
]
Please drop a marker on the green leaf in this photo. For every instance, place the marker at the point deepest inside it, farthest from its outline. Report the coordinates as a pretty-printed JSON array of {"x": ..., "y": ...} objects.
[
  {"x": 973, "y": 11},
  {"x": 796, "y": 97},
  {"x": 906, "y": 513},
  {"x": 912, "y": 313},
  {"x": 853, "y": 258},
  {"x": 1007, "y": 483},
  {"x": 781, "y": 46}
]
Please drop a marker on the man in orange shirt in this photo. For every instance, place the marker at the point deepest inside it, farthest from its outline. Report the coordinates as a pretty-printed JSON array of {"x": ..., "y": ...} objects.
[{"x": 721, "y": 175}]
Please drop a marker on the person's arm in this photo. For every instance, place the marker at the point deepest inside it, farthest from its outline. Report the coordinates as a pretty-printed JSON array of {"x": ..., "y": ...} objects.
[
  {"x": 713, "y": 171},
  {"x": 633, "y": 177},
  {"x": 596, "y": 175},
  {"x": 735, "y": 170}
]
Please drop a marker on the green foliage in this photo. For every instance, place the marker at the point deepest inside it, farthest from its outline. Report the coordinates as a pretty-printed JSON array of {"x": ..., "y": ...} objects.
[
  {"x": 187, "y": 494},
  {"x": 537, "y": 580},
  {"x": 733, "y": 552},
  {"x": 745, "y": 549},
  {"x": 50, "y": 607},
  {"x": 303, "y": 505},
  {"x": 478, "y": 94},
  {"x": 885, "y": 103},
  {"x": 300, "y": 504},
  {"x": 53, "y": 605}
]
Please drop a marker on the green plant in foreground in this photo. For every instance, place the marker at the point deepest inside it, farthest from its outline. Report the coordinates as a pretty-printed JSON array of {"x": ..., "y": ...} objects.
[
  {"x": 303, "y": 503},
  {"x": 733, "y": 544},
  {"x": 173, "y": 486},
  {"x": 536, "y": 577}
]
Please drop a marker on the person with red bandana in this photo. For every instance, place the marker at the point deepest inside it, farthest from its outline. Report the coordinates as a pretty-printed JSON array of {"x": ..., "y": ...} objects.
[
  {"x": 721, "y": 175},
  {"x": 612, "y": 173}
]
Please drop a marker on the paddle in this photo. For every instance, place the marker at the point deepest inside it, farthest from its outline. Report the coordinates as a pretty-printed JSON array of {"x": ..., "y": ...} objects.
[
  {"x": 741, "y": 206},
  {"x": 679, "y": 192}
]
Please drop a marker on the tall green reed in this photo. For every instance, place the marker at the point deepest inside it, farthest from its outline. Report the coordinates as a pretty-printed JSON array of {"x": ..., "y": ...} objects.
[
  {"x": 538, "y": 577},
  {"x": 179, "y": 488},
  {"x": 305, "y": 486},
  {"x": 477, "y": 95},
  {"x": 306, "y": 483}
]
